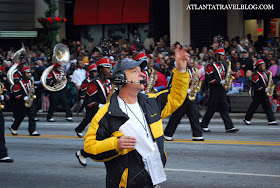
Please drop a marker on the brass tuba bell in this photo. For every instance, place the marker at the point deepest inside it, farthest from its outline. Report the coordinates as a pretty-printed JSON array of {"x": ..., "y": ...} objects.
[
  {"x": 14, "y": 68},
  {"x": 61, "y": 55}
]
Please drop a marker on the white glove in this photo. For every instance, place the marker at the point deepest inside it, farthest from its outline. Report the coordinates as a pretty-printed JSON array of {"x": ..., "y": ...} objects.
[
  {"x": 101, "y": 105},
  {"x": 266, "y": 89},
  {"x": 25, "y": 98},
  {"x": 189, "y": 90},
  {"x": 2, "y": 97},
  {"x": 223, "y": 82}
]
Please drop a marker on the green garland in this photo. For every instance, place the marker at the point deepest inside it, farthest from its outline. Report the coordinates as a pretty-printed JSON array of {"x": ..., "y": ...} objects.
[{"x": 52, "y": 8}]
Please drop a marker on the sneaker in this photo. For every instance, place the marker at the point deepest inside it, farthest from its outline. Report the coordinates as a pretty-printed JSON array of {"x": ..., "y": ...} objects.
[
  {"x": 272, "y": 123},
  {"x": 50, "y": 120},
  {"x": 168, "y": 138},
  {"x": 69, "y": 119},
  {"x": 35, "y": 133},
  {"x": 14, "y": 132},
  {"x": 80, "y": 135},
  {"x": 6, "y": 160},
  {"x": 82, "y": 159},
  {"x": 197, "y": 139},
  {"x": 246, "y": 122},
  {"x": 41, "y": 110},
  {"x": 232, "y": 130},
  {"x": 206, "y": 130},
  {"x": 36, "y": 119}
]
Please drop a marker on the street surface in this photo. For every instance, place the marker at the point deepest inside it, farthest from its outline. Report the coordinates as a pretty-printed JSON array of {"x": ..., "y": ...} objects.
[{"x": 249, "y": 158}]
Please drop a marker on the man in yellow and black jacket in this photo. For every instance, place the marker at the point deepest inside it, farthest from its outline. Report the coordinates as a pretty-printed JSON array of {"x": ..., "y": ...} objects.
[{"x": 124, "y": 165}]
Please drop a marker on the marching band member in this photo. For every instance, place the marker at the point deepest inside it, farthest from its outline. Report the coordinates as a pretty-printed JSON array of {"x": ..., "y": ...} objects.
[
  {"x": 215, "y": 74},
  {"x": 259, "y": 87},
  {"x": 56, "y": 77},
  {"x": 4, "y": 97},
  {"x": 21, "y": 91},
  {"x": 190, "y": 108},
  {"x": 82, "y": 93},
  {"x": 96, "y": 96}
]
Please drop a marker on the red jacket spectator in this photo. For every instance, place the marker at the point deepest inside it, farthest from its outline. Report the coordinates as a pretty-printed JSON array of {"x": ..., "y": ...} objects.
[{"x": 161, "y": 80}]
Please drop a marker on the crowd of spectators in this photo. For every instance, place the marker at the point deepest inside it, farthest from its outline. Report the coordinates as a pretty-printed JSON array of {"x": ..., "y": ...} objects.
[{"x": 242, "y": 52}]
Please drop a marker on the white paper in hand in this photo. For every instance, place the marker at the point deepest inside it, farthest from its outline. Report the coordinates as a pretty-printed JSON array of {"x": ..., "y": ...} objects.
[
  {"x": 143, "y": 145},
  {"x": 155, "y": 167}
]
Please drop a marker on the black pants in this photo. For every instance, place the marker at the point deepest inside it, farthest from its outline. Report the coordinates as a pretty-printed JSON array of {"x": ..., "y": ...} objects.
[
  {"x": 90, "y": 112},
  {"x": 260, "y": 98},
  {"x": 20, "y": 112},
  {"x": 190, "y": 108},
  {"x": 56, "y": 98},
  {"x": 38, "y": 100},
  {"x": 217, "y": 103},
  {"x": 3, "y": 149}
]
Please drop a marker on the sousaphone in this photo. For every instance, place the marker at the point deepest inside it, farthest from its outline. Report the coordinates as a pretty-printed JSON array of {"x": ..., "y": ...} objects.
[
  {"x": 14, "y": 68},
  {"x": 61, "y": 55}
]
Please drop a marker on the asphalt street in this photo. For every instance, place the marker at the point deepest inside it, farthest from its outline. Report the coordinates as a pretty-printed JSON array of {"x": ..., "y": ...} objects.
[{"x": 249, "y": 158}]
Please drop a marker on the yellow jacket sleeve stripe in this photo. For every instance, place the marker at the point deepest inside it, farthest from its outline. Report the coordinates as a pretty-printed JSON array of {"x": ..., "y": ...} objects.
[{"x": 103, "y": 150}]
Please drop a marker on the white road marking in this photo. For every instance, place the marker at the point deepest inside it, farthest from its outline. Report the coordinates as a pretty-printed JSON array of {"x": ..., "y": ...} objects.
[{"x": 220, "y": 172}]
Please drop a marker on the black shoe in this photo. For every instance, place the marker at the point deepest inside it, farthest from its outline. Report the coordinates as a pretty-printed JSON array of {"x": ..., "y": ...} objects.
[
  {"x": 35, "y": 133},
  {"x": 69, "y": 119},
  {"x": 232, "y": 130},
  {"x": 80, "y": 135},
  {"x": 197, "y": 139},
  {"x": 168, "y": 138},
  {"x": 206, "y": 130},
  {"x": 50, "y": 120},
  {"x": 14, "y": 132},
  {"x": 6, "y": 160},
  {"x": 246, "y": 121},
  {"x": 272, "y": 123},
  {"x": 82, "y": 159}
]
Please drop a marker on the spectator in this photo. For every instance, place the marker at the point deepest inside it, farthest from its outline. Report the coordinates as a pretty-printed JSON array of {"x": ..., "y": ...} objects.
[
  {"x": 203, "y": 52},
  {"x": 238, "y": 73},
  {"x": 160, "y": 80},
  {"x": 164, "y": 70},
  {"x": 149, "y": 42},
  {"x": 248, "y": 80},
  {"x": 79, "y": 75},
  {"x": 246, "y": 63},
  {"x": 90, "y": 45},
  {"x": 274, "y": 68}
]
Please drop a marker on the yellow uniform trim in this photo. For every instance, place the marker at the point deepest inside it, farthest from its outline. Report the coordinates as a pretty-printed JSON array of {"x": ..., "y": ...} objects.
[
  {"x": 157, "y": 129},
  {"x": 94, "y": 146},
  {"x": 123, "y": 182}
]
